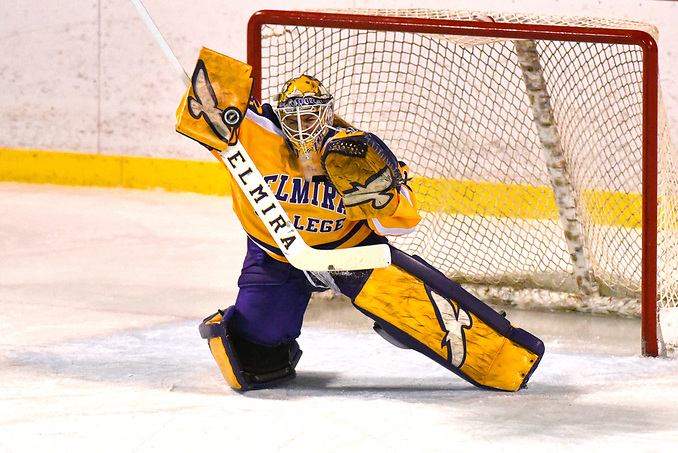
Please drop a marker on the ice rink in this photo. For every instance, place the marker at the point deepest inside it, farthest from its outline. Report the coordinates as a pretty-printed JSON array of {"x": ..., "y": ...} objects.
[{"x": 101, "y": 294}]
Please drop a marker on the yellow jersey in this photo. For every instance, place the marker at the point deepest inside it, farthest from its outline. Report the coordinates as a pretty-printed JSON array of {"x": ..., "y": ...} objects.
[{"x": 314, "y": 207}]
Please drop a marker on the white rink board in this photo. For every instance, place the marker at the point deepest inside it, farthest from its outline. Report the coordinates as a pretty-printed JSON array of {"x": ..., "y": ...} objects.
[{"x": 86, "y": 76}]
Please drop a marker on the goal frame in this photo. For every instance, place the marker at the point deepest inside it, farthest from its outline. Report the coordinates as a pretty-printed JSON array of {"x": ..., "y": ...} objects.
[{"x": 512, "y": 31}]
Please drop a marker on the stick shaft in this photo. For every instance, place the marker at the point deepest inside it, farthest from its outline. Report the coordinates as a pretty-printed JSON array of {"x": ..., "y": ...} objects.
[
  {"x": 300, "y": 255},
  {"x": 162, "y": 42}
]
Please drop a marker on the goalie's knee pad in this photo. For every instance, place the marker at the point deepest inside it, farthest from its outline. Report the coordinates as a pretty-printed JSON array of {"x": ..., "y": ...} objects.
[{"x": 246, "y": 365}]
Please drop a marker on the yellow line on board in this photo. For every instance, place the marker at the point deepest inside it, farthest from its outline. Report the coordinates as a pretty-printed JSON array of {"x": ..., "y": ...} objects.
[
  {"x": 484, "y": 198},
  {"x": 211, "y": 178},
  {"x": 75, "y": 169},
  {"x": 523, "y": 201}
]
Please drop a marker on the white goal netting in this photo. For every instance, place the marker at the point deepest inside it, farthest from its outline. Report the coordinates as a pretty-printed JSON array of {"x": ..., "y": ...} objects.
[{"x": 527, "y": 155}]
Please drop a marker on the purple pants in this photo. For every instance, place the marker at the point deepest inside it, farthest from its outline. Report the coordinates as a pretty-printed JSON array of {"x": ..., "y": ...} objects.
[{"x": 273, "y": 296}]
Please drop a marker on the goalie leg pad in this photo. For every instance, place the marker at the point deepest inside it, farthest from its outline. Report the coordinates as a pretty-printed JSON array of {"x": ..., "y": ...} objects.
[
  {"x": 433, "y": 315},
  {"x": 246, "y": 365}
]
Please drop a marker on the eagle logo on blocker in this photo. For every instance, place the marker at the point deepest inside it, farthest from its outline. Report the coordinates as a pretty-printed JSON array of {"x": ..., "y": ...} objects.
[
  {"x": 454, "y": 321},
  {"x": 205, "y": 104}
]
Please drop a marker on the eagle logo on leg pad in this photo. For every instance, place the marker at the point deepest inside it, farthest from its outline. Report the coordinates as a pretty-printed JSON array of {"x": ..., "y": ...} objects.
[{"x": 454, "y": 321}]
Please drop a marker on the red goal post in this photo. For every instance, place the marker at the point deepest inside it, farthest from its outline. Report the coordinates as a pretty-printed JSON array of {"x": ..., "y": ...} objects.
[{"x": 324, "y": 47}]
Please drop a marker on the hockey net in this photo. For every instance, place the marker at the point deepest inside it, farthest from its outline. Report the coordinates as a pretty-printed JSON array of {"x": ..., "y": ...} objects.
[{"x": 531, "y": 140}]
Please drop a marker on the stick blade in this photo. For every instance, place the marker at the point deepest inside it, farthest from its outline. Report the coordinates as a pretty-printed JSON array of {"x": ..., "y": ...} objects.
[{"x": 356, "y": 258}]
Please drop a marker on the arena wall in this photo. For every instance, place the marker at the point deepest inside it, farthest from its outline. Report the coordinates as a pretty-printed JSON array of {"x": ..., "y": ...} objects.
[{"x": 86, "y": 77}]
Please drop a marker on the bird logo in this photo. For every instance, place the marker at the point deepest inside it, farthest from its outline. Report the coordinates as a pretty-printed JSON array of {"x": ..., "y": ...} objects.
[
  {"x": 375, "y": 190},
  {"x": 454, "y": 321},
  {"x": 205, "y": 104}
]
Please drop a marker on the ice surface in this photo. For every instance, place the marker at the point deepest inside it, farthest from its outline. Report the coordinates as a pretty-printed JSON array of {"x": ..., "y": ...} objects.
[{"x": 101, "y": 293}]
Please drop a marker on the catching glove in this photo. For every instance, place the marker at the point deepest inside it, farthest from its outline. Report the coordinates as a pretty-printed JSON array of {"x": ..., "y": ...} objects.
[{"x": 364, "y": 171}]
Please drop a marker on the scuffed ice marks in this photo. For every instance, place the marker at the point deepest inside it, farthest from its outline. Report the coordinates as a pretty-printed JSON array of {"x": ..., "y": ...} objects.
[{"x": 335, "y": 363}]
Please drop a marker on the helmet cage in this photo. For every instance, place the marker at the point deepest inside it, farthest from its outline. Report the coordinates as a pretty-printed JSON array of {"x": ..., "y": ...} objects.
[{"x": 305, "y": 121}]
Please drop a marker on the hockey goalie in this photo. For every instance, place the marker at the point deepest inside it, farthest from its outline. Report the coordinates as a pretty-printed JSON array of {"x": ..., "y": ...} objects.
[{"x": 341, "y": 188}]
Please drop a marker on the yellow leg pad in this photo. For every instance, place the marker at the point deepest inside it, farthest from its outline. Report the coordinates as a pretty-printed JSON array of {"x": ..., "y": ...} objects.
[
  {"x": 224, "y": 363},
  {"x": 454, "y": 337},
  {"x": 218, "y": 350}
]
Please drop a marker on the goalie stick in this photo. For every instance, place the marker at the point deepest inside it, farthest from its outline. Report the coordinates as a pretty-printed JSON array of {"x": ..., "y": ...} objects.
[{"x": 272, "y": 214}]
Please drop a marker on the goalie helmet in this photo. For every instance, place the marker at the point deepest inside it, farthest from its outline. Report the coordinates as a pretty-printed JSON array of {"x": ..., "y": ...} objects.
[{"x": 306, "y": 110}]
